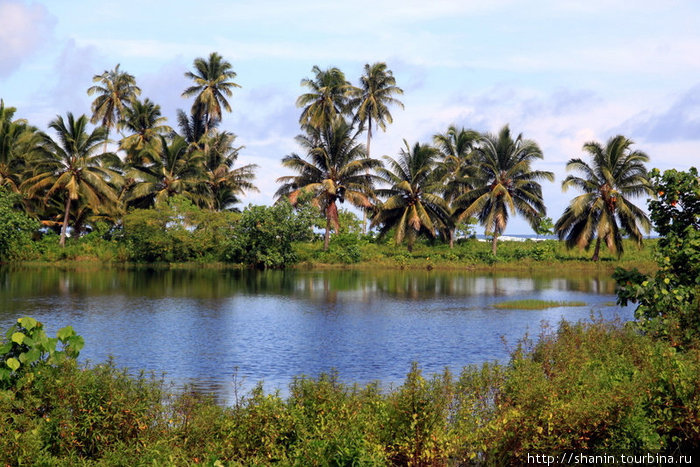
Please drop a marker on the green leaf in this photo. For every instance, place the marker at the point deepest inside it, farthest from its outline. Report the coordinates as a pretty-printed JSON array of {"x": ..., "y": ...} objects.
[
  {"x": 76, "y": 343},
  {"x": 13, "y": 363},
  {"x": 18, "y": 337},
  {"x": 28, "y": 322},
  {"x": 65, "y": 333},
  {"x": 31, "y": 356}
]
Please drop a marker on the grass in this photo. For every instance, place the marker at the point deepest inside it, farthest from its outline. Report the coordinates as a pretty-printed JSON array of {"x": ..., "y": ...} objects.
[{"x": 533, "y": 304}]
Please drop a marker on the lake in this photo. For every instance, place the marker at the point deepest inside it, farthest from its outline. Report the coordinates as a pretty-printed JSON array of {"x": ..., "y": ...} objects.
[{"x": 209, "y": 328}]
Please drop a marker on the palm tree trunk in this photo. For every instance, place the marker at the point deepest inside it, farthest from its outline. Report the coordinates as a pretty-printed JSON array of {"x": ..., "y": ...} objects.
[
  {"x": 596, "y": 252},
  {"x": 494, "y": 244},
  {"x": 364, "y": 211},
  {"x": 106, "y": 139},
  {"x": 64, "y": 228},
  {"x": 327, "y": 235},
  {"x": 452, "y": 238}
]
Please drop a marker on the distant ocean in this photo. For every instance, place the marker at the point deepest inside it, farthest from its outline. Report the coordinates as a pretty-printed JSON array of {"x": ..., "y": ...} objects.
[{"x": 523, "y": 237}]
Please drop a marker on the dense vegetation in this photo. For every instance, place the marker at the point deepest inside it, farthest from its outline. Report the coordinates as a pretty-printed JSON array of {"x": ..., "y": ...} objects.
[
  {"x": 597, "y": 388},
  {"x": 77, "y": 181}
]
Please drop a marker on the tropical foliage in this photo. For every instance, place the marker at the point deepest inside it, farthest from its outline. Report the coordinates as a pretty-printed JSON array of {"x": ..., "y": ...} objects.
[
  {"x": 72, "y": 168},
  {"x": 462, "y": 177},
  {"x": 328, "y": 97},
  {"x": 410, "y": 208},
  {"x": 505, "y": 183},
  {"x": 212, "y": 85},
  {"x": 18, "y": 141},
  {"x": 335, "y": 169},
  {"x": 372, "y": 101},
  {"x": 616, "y": 174},
  {"x": 669, "y": 301},
  {"x": 114, "y": 92}
]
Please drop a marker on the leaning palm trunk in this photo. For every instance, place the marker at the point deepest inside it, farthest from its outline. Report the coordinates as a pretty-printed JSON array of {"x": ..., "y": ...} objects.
[
  {"x": 364, "y": 211},
  {"x": 64, "y": 227},
  {"x": 494, "y": 244},
  {"x": 331, "y": 221},
  {"x": 596, "y": 252},
  {"x": 327, "y": 235}
]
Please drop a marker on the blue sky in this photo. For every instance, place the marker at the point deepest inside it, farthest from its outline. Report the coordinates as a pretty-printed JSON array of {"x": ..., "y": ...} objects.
[{"x": 559, "y": 72}]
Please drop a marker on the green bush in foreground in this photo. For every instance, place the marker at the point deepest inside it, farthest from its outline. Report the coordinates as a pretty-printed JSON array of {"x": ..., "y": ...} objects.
[
  {"x": 669, "y": 301},
  {"x": 589, "y": 388}
]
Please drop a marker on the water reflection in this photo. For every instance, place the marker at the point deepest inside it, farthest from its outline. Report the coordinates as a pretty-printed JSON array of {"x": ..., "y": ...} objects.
[{"x": 206, "y": 326}]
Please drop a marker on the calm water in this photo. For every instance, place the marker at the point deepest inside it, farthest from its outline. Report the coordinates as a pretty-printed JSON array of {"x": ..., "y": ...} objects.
[{"x": 204, "y": 326}]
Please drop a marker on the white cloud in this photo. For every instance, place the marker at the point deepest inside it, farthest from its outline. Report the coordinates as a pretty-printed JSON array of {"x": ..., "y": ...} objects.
[{"x": 23, "y": 29}]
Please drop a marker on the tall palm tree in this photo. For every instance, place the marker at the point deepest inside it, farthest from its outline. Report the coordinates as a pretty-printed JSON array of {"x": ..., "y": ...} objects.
[
  {"x": 377, "y": 88},
  {"x": 336, "y": 170},
  {"x": 72, "y": 166},
  {"x": 376, "y": 95},
  {"x": 213, "y": 80},
  {"x": 114, "y": 94},
  {"x": 143, "y": 119},
  {"x": 225, "y": 182},
  {"x": 329, "y": 95},
  {"x": 505, "y": 183},
  {"x": 18, "y": 141},
  {"x": 171, "y": 168},
  {"x": 410, "y": 207},
  {"x": 455, "y": 168},
  {"x": 616, "y": 173}
]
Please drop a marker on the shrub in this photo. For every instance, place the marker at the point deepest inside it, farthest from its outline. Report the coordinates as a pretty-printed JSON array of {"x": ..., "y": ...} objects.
[
  {"x": 16, "y": 228},
  {"x": 263, "y": 236},
  {"x": 669, "y": 302},
  {"x": 176, "y": 232}
]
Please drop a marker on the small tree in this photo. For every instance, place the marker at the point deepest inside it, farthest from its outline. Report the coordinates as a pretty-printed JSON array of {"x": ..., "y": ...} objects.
[
  {"x": 545, "y": 226},
  {"x": 263, "y": 236},
  {"x": 669, "y": 302},
  {"x": 16, "y": 227}
]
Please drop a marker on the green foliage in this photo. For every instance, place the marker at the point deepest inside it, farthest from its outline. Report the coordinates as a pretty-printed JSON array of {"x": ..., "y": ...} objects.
[
  {"x": 593, "y": 388},
  {"x": 669, "y": 302},
  {"x": 263, "y": 236},
  {"x": 545, "y": 226},
  {"x": 587, "y": 388},
  {"x": 177, "y": 231},
  {"x": 417, "y": 431},
  {"x": 26, "y": 345},
  {"x": 16, "y": 228}
]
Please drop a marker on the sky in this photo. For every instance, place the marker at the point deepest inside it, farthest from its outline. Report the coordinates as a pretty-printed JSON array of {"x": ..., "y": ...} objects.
[{"x": 560, "y": 72}]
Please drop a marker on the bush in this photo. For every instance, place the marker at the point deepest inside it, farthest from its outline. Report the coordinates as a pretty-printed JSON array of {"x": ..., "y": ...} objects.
[
  {"x": 263, "y": 236},
  {"x": 16, "y": 228},
  {"x": 669, "y": 302},
  {"x": 177, "y": 232}
]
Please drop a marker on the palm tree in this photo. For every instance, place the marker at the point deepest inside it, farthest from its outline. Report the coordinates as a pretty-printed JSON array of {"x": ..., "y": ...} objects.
[
  {"x": 144, "y": 121},
  {"x": 18, "y": 141},
  {"x": 377, "y": 88},
  {"x": 193, "y": 128},
  {"x": 455, "y": 168},
  {"x": 328, "y": 97},
  {"x": 225, "y": 183},
  {"x": 410, "y": 208},
  {"x": 169, "y": 169},
  {"x": 114, "y": 93},
  {"x": 336, "y": 170},
  {"x": 213, "y": 83},
  {"x": 616, "y": 174},
  {"x": 71, "y": 165},
  {"x": 505, "y": 183}
]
